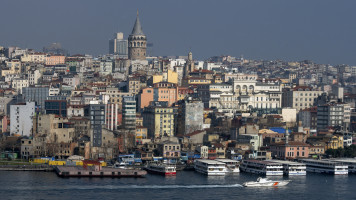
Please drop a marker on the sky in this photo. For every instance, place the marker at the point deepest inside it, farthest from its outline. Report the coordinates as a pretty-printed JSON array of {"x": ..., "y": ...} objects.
[{"x": 320, "y": 30}]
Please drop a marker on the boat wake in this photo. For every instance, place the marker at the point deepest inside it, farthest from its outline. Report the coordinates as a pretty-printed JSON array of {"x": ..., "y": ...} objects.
[
  {"x": 126, "y": 187},
  {"x": 178, "y": 186}
]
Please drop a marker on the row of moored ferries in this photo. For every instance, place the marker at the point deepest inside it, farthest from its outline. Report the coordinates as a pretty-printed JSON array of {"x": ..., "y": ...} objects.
[
  {"x": 261, "y": 167},
  {"x": 276, "y": 167}
]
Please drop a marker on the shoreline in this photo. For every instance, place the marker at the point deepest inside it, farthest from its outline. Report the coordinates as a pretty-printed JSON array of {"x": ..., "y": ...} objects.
[{"x": 44, "y": 168}]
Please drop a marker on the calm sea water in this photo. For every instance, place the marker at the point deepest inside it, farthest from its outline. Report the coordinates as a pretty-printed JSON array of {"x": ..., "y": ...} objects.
[{"x": 185, "y": 185}]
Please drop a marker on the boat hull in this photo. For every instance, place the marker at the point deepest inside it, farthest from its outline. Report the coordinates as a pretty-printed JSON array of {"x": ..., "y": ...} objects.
[
  {"x": 268, "y": 184},
  {"x": 151, "y": 171}
]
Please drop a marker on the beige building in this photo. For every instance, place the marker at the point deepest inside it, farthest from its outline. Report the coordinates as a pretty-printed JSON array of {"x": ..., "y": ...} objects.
[
  {"x": 19, "y": 83},
  {"x": 37, "y": 57},
  {"x": 12, "y": 67},
  {"x": 159, "y": 119},
  {"x": 57, "y": 129},
  {"x": 300, "y": 97}
]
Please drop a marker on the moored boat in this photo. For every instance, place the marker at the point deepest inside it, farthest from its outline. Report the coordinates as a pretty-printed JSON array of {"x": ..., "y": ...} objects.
[
  {"x": 325, "y": 166},
  {"x": 264, "y": 182},
  {"x": 263, "y": 167},
  {"x": 161, "y": 168},
  {"x": 231, "y": 166},
  {"x": 210, "y": 167}
]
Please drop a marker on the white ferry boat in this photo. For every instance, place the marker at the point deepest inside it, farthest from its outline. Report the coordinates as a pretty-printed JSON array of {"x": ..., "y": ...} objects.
[
  {"x": 325, "y": 166},
  {"x": 161, "y": 168},
  {"x": 292, "y": 168},
  {"x": 210, "y": 167},
  {"x": 350, "y": 162},
  {"x": 231, "y": 166},
  {"x": 267, "y": 168}
]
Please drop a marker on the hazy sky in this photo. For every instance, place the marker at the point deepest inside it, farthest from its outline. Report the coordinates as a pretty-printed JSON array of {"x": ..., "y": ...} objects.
[{"x": 320, "y": 30}]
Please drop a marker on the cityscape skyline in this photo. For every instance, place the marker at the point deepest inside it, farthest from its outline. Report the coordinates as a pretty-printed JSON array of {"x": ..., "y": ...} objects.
[
  {"x": 128, "y": 91},
  {"x": 271, "y": 30}
]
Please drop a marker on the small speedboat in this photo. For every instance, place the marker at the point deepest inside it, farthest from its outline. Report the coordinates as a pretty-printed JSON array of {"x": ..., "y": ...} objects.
[{"x": 264, "y": 182}]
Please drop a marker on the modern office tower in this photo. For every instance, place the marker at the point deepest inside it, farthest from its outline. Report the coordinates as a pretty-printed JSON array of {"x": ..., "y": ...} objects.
[
  {"x": 129, "y": 112},
  {"x": 118, "y": 45},
  {"x": 97, "y": 119}
]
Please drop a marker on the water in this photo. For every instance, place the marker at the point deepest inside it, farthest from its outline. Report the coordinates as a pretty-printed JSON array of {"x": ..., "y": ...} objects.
[{"x": 185, "y": 185}]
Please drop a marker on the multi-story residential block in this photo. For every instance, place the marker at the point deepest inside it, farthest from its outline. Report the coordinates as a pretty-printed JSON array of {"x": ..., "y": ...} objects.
[
  {"x": 106, "y": 66},
  {"x": 161, "y": 91},
  {"x": 129, "y": 113},
  {"x": 170, "y": 150},
  {"x": 112, "y": 116},
  {"x": 26, "y": 148},
  {"x": 190, "y": 116},
  {"x": 71, "y": 80},
  {"x": 12, "y": 67},
  {"x": 300, "y": 97},
  {"x": 159, "y": 119},
  {"x": 55, "y": 59},
  {"x": 97, "y": 120},
  {"x": 21, "y": 118},
  {"x": 140, "y": 134},
  {"x": 34, "y": 76},
  {"x": 75, "y": 110},
  {"x": 135, "y": 85},
  {"x": 19, "y": 83},
  {"x": 255, "y": 140},
  {"x": 308, "y": 117},
  {"x": 116, "y": 96},
  {"x": 333, "y": 115},
  {"x": 37, "y": 57}
]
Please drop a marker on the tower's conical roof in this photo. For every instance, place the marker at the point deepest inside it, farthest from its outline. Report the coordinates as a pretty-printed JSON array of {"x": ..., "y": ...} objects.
[{"x": 137, "y": 29}]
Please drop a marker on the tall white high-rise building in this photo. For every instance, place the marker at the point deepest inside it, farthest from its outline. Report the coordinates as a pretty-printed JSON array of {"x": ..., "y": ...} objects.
[
  {"x": 21, "y": 118},
  {"x": 118, "y": 45}
]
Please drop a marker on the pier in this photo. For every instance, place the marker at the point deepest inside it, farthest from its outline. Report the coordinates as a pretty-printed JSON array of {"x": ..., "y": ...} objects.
[
  {"x": 93, "y": 171},
  {"x": 45, "y": 168}
]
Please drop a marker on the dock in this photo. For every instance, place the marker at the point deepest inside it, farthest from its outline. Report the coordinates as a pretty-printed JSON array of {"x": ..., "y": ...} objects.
[
  {"x": 92, "y": 171},
  {"x": 44, "y": 168}
]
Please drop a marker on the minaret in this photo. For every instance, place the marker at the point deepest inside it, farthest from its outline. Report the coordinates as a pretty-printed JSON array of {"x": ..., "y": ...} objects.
[{"x": 137, "y": 42}]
